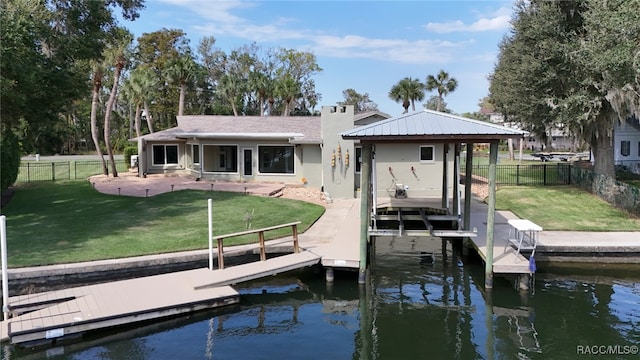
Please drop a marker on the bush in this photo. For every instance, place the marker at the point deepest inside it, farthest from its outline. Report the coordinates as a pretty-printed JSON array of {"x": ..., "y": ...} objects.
[
  {"x": 9, "y": 159},
  {"x": 128, "y": 151}
]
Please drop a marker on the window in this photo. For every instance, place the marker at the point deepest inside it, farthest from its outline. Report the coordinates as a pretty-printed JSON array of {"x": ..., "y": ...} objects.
[
  {"x": 276, "y": 159},
  {"x": 165, "y": 154},
  {"x": 427, "y": 153},
  {"x": 195, "y": 153},
  {"x": 358, "y": 159},
  {"x": 220, "y": 158},
  {"x": 625, "y": 147}
]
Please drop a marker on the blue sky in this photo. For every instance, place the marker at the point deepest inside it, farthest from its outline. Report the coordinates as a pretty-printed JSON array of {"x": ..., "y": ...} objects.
[{"x": 365, "y": 45}]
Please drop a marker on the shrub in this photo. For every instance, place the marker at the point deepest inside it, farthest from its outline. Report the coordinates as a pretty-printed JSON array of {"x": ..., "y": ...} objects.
[
  {"x": 9, "y": 159},
  {"x": 128, "y": 151}
]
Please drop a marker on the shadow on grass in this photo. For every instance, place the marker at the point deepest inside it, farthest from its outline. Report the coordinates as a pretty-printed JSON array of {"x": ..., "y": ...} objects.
[{"x": 50, "y": 223}]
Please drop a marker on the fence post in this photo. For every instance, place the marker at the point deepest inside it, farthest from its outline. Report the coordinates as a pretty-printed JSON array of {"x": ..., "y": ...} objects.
[
  {"x": 544, "y": 174},
  {"x": 53, "y": 171},
  {"x": 518, "y": 174}
]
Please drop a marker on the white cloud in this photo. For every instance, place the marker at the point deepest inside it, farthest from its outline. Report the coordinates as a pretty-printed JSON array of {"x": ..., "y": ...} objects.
[
  {"x": 499, "y": 20},
  {"x": 392, "y": 50}
]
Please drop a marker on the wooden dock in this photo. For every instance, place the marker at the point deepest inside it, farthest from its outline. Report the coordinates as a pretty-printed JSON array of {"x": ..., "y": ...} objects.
[
  {"x": 505, "y": 258},
  {"x": 54, "y": 314}
]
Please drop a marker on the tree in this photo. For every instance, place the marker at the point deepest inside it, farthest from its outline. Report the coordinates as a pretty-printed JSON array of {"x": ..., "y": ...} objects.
[
  {"x": 157, "y": 51},
  {"x": 46, "y": 49},
  {"x": 97, "y": 77},
  {"x": 570, "y": 64},
  {"x": 293, "y": 78},
  {"x": 181, "y": 71},
  {"x": 287, "y": 89},
  {"x": 361, "y": 102},
  {"x": 407, "y": 91},
  {"x": 136, "y": 89},
  {"x": 443, "y": 84},
  {"x": 116, "y": 55},
  {"x": 437, "y": 104}
]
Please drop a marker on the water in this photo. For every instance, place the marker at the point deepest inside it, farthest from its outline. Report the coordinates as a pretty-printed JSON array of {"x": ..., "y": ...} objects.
[{"x": 411, "y": 308}]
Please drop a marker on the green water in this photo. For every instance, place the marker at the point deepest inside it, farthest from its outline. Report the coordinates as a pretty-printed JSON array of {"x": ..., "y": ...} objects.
[{"x": 410, "y": 308}]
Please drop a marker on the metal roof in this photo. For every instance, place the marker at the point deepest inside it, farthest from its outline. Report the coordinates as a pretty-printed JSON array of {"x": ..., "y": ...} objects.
[
  {"x": 296, "y": 129},
  {"x": 429, "y": 125}
]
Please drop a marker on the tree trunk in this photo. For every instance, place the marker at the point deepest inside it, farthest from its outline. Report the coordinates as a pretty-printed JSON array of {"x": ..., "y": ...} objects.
[
  {"x": 107, "y": 119},
  {"x": 183, "y": 89},
  {"x": 137, "y": 120},
  {"x": 233, "y": 106},
  {"x": 94, "y": 128},
  {"x": 149, "y": 120},
  {"x": 602, "y": 147}
]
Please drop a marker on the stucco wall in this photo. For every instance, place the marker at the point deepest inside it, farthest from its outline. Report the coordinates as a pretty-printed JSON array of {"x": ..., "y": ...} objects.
[
  {"x": 338, "y": 179},
  {"x": 312, "y": 164},
  {"x": 394, "y": 163}
]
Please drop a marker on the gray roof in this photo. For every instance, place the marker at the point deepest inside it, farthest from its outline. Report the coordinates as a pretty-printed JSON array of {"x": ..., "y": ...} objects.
[
  {"x": 429, "y": 125},
  {"x": 296, "y": 129}
]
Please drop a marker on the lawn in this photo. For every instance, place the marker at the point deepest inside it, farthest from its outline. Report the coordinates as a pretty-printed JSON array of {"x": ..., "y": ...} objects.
[
  {"x": 564, "y": 208},
  {"x": 64, "y": 222}
]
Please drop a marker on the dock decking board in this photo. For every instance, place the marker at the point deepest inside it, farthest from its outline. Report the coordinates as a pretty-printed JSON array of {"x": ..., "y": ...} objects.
[{"x": 76, "y": 310}]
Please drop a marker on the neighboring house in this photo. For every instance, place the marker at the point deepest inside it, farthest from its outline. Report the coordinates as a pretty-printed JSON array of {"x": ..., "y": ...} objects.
[{"x": 627, "y": 145}]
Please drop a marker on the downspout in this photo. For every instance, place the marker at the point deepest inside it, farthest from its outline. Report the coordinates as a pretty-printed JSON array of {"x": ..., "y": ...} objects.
[{"x": 322, "y": 172}]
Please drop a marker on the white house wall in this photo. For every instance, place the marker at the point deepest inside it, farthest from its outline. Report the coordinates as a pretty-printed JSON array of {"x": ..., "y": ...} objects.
[{"x": 632, "y": 135}]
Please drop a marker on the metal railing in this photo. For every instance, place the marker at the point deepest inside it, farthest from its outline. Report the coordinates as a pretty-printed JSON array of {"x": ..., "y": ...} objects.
[
  {"x": 542, "y": 174},
  {"x": 35, "y": 171}
]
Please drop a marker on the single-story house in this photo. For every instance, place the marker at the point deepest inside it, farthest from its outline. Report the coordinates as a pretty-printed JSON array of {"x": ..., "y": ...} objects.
[{"x": 294, "y": 149}]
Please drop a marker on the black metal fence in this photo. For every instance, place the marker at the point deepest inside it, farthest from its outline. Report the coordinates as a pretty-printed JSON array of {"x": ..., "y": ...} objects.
[
  {"x": 33, "y": 171},
  {"x": 538, "y": 174}
]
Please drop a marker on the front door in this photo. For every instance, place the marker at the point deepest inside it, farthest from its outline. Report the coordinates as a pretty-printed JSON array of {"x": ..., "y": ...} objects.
[{"x": 247, "y": 161}]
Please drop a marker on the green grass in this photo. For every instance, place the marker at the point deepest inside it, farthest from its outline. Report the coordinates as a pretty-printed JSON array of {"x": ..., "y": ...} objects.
[
  {"x": 65, "y": 222},
  {"x": 564, "y": 208}
]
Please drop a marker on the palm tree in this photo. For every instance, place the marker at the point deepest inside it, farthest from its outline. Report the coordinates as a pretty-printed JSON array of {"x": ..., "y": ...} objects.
[
  {"x": 443, "y": 84},
  {"x": 288, "y": 89},
  {"x": 181, "y": 71},
  {"x": 97, "y": 75},
  {"x": 407, "y": 91},
  {"x": 136, "y": 89},
  {"x": 261, "y": 84},
  {"x": 229, "y": 89},
  {"x": 116, "y": 55}
]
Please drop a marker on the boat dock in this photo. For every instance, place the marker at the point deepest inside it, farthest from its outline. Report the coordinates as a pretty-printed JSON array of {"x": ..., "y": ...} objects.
[
  {"x": 506, "y": 260},
  {"x": 50, "y": 315}
]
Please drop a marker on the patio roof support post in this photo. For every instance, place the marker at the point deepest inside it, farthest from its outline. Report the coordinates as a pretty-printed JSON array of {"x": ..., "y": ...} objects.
[
  {"x": 365, "y": 210},
  {"x": 491, "y": 210},
  {"x": 456, "y": 182},
  {"x": 445, "y": 173},
  {"x": 468, "y": 173}
]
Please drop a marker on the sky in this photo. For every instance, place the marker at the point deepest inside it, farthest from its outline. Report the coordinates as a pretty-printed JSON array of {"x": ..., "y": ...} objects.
[{"x": 365, "y": 45}]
